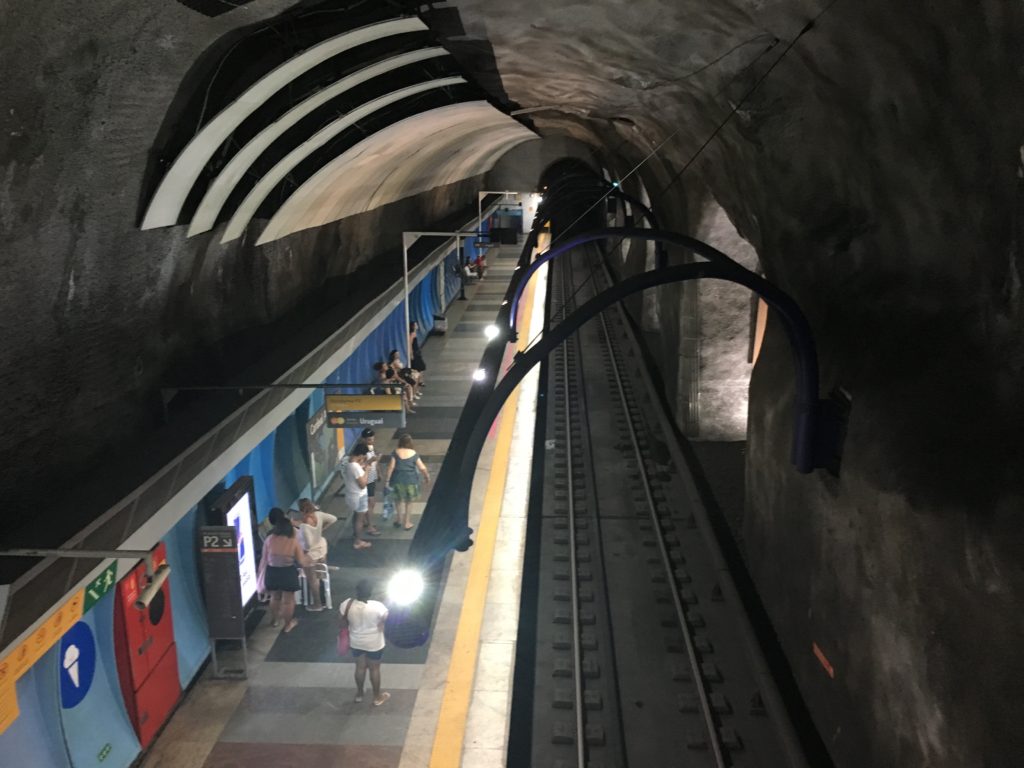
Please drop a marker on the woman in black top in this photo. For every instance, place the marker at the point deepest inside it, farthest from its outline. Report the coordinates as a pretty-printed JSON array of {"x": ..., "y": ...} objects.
[
  {"x": 282, "y": 556},
  {"x": 415, "y": 355}
]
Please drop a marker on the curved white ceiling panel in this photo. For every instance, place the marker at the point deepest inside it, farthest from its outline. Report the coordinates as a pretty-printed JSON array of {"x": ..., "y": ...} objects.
[
  {"x": 221, "y": 188},
  {"x": 165, "y": 207},
  {"x": 427, "y": 150},
  {"x": 369, "y": 162},
  {"x": 388, "y": 158},
  {"x": 461, "y": 157},
  {"x": 241, "y": 217}
]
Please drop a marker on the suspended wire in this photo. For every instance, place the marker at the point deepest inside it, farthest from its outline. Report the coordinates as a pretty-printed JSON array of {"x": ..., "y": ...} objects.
[
  {"x": 806, "y": 28},
  {"x": 603, "y": 197},
  {"x": 718, "y": 129},
  {"x": 728, "y": 53}
]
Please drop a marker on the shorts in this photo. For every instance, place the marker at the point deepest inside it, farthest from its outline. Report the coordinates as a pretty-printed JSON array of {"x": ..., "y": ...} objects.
[
  {"x": 371, "y": 655},
  {"x": 371, "y": 488},
  {"x": 405, "y": 491},
  {"x": 283, "y": 578},
  {"x": 359, "y": 504}
]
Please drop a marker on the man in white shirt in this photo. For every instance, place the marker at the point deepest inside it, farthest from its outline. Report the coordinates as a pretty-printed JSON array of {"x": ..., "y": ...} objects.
[
  {"x": 356, "y": 496},
  {"x": 312, "y": 522}
]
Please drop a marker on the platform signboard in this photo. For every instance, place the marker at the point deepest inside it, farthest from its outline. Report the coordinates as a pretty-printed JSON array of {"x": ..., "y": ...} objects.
[
  {"x": 222, "y": 588},
  {"x": 359, "y": 411}
]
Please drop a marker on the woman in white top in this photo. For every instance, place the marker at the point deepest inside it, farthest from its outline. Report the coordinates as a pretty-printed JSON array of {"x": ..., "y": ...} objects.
[
  {"x": 311, "y": 523},
  {"x": 365, "y": 621},
  {"x": 356, "y": 480},
  {"x": 367, "y": 437}
]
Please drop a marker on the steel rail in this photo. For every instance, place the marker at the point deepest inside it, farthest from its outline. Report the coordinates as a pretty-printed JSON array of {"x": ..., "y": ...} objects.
[
  {"x": 691, "y": 651},
  {"x": 574, "y": 581}
]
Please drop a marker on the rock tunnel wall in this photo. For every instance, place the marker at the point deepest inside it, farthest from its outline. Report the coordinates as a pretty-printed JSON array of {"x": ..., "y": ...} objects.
[
  {"x": 875, "y": 166},
  {"x": 876, "y": 169},
  {"x": 95, "y": 314}
]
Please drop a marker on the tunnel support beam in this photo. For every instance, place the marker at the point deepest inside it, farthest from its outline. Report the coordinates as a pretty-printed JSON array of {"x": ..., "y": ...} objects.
[{"x": 433, "y": 540}]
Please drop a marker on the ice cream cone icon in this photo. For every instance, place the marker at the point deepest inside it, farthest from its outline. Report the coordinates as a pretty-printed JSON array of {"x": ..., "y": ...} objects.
[{"x": 71, "y": 663}]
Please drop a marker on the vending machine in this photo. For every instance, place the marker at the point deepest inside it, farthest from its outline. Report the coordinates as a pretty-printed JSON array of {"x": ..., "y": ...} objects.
[{"x": 147, "y": 660}]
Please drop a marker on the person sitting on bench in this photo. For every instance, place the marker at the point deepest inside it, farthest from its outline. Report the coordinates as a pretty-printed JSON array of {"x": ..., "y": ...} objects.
[{"x": 390, "y": 384}]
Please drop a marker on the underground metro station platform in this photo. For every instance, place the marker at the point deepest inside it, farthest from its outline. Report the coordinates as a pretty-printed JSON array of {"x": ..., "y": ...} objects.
[{"x": 703, "y": 322}]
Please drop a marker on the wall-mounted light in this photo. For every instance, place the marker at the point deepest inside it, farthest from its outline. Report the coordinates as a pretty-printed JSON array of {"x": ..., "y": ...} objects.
[{"x": 405, "y": 587}]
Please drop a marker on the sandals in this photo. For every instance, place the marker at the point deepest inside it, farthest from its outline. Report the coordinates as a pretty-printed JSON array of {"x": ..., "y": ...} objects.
[
  {"x": 291, "y": 625},
  {"x": 409, "y": 526},
  {"x": 362, "y": 545},
  {"x": 397, "y": 524},
  {"x": 372, "y": 532}
]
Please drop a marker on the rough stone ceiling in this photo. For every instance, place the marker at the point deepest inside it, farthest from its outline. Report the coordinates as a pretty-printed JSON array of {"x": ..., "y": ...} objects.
[{"x": 653, "y": 64}]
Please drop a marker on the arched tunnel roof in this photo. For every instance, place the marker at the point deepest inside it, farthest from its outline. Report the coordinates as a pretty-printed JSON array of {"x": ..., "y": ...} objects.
[
  {"x": 864, "y": 156},
  {"x": 217, "y": 195},
  {"x": 166, "y": 205},
  {"x": 430, "y": 148}
]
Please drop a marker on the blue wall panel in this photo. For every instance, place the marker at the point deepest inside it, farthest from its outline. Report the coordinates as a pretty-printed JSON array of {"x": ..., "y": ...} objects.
[
  {"x": 260, "y": 465},
  {"x": 35, "y": 738},
  {"x": 279, "y": 465},
  {"x": 98, "y": 726},
  {"x": 280, "y": 469},
  {"x": 452, "y": 277},
  {"x": 422, "y": 306},
  {"x": 187, "y": 609}
]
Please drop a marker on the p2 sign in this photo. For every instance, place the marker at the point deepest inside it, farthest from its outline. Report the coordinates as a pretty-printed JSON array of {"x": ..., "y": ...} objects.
[{"x": 77, "y": 664}]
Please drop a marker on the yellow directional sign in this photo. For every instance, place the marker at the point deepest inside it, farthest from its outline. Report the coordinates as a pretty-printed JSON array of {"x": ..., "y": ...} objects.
[
  {"x": 344, "y": 403},
  {"x": 356, "y": 411}
]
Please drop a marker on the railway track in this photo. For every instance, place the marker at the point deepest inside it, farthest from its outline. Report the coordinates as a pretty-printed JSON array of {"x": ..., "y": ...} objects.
[{"x": 640, "y": 653}]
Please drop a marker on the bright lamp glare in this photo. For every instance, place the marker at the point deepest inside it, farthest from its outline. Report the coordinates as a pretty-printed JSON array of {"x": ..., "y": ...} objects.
[
  {"x": 405, "y": 587},
  {"x": 491, "y": 332},
  {"x": 479, "y": 374}
]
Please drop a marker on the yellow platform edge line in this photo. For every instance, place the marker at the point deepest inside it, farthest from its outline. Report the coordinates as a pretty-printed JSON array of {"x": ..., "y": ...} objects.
[{"x": 451, "y": 722}]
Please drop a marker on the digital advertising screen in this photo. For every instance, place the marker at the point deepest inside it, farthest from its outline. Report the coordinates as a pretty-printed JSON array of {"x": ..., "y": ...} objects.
[{"x": 240, "y": 518}]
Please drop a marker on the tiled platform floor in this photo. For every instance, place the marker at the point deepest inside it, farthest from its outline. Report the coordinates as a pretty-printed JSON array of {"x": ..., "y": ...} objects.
[{"x": 296, "y": 708}]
